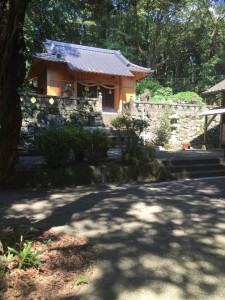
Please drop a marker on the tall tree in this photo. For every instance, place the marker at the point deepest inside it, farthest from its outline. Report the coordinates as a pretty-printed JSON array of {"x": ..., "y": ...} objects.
[{"x": 12, "y": 72}]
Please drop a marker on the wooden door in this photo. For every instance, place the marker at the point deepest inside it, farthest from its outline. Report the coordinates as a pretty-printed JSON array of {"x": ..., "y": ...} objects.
[{"x": 107, "y": 97}]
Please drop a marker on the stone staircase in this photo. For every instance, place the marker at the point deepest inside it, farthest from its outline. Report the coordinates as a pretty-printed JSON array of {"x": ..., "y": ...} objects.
[
  {"x": 108, "y": 116},
  {"x": 194, "y": 168}
]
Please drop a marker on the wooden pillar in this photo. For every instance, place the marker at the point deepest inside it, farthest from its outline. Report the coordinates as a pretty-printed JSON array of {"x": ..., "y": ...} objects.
[
  {"x": 205, "y": 130},
  {"x": 75, "y": 88}
]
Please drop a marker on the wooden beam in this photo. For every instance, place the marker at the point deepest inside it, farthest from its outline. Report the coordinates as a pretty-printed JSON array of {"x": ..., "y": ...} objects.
[
  {"x": 210, "y": 120},
  {"x": 207, "y": 123}
]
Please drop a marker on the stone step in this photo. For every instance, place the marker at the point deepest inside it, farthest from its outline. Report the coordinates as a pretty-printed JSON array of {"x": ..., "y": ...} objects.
[
  {"x": 194, "y": 168},
  {"x": 198, "y": 174},
  {"x": 188, "y": 162},
  {"x": 108, "y": 117}
]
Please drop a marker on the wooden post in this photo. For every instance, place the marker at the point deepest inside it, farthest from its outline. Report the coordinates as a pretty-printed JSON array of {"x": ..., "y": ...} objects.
[{"x": 205, "y": 130}]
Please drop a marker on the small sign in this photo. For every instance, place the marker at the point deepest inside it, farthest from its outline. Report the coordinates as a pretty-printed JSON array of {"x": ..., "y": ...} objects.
[
  {"x": 51, "y": 101},
  {"x": 33, "y": 100}
]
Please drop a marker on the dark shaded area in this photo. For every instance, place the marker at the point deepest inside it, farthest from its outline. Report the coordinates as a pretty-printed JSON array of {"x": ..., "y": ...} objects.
[
  {"x": 212, "y": 138},
  {"x": 12, "y": 14},
  {"x": 154, "y": 237}
]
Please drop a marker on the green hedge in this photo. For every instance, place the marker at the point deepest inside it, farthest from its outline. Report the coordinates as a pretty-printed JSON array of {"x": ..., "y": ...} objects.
[{"x": 61, "y": 146}]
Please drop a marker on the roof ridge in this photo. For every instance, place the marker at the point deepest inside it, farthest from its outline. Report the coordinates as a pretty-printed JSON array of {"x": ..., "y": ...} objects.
[{"x": 77, "y": 46}]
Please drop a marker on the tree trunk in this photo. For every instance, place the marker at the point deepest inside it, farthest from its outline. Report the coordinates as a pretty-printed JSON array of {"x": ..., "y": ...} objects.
[{"x": 12, "y": 72}]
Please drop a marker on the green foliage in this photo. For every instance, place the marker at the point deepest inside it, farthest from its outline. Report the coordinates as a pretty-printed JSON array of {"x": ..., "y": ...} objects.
[
  {"x": 129, "y": 130},
  {"x": 61, "y": 146},
  {"x": 182, "y": 41},
  {"x": 99, "y": 145},
  {"x": 54, "y": 144},
  {"x": 46, "y": 242},
  {"x": 163, "y": 131},
  {"x": 78, "y": 141},
  {"x": 81, "y": 280},
  {"x": 162, "y": 94},
  {"x": 147, "y": 84},
  {"x": 24, "y": 256},
  {"x": 187, "y": 97}
]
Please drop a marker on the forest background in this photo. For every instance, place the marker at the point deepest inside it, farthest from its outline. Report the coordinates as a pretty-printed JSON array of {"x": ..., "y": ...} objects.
[{"x": 182, "y": 41}]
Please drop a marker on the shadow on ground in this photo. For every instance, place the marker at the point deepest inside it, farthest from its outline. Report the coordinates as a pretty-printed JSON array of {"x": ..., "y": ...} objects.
[{"x": 163, "y": 241}]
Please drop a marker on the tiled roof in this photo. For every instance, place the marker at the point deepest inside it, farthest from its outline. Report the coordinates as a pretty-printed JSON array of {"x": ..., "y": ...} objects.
[
  {"x": 219, "y": 87},
  {"x": 90, "y": 59}
]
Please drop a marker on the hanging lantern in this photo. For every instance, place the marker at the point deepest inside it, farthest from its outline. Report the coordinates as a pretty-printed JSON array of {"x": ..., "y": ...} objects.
[
  {"x": 110, "y": 91},
  {"x": 21, "y": 98}
]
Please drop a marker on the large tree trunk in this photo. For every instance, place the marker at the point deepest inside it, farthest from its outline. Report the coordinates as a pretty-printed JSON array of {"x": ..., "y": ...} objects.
[{"x": 12, "y": 72}]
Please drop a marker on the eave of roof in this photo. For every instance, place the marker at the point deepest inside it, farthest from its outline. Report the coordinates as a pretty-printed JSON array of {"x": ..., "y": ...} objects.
[
  {"x": 219, "y": 87},
  {"x": 215, "y": 111},
  {"x": 90, "y": 59}
]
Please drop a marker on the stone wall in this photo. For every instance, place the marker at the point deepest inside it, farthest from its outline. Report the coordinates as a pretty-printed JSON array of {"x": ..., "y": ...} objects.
[
  {"x": 187, "y": 125},
  {"x": 40, "y": 113}
]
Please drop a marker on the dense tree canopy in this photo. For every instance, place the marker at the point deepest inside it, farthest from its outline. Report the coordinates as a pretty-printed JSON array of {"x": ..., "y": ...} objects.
[{"x": 183, "y": 41}]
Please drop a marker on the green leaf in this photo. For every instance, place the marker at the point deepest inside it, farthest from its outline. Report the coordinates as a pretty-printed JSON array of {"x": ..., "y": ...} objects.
[
  {"x": 14, "y": 251},
  {"x": 81, "y": 280}
]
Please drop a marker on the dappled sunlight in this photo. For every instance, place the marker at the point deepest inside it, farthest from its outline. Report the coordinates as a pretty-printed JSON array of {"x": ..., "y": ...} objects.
[
  {"x": 144, "y": 212},
  {"x": 159, "y": 242}
]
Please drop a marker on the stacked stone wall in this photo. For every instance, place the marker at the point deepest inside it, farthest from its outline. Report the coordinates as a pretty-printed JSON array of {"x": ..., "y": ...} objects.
[
  {"x": 188, "y": 126},
  {"x": 38, "y": 114}
]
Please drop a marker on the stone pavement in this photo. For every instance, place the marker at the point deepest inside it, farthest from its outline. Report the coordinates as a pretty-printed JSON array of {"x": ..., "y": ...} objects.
[{"x": 155, "y": 241}]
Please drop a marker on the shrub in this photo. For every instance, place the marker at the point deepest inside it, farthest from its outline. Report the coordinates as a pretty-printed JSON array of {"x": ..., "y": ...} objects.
[
  {"x": 54, "y": 145},
  {"x": 163, "y": 131},
  {"x": 162, "y": 94},
  {"x": 187, "y": 97},
  {"x": 60, "y": 146},
  {"x": 99, "y": 145},
  {"x": 129, "y": 130},
  {"x": 147, "y": 83},
  {"x": 79, "y": 141}
]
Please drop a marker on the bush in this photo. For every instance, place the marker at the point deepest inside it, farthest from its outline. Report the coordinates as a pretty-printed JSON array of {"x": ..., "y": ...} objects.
[
  {"x": 163, "y": 131},
  {"x": 129, "y": 130},
  {"x": 187, "y": 97},
  {"x": 79, "y": 141},
  {"x": 162, "y": 94},
  {"x": 99, "y": 145},
  {"x": 54, "y": 145},
  {"x": 147, "y": 84},
  {"x": 60, "y": 146}
]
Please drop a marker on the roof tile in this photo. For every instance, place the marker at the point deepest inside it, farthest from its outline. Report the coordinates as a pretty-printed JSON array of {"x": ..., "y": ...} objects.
[{"x": 90, "y": 59}]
